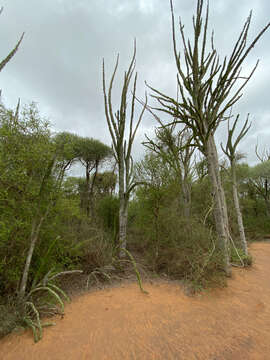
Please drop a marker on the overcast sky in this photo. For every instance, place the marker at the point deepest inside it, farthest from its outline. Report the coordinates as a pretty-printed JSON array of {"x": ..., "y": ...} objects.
[{"x": 59, "y": 61}]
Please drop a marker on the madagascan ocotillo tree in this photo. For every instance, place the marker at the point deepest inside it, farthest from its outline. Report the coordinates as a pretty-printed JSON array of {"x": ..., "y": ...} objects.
[
  {"x": 119, "y": 125},
  {"x": 230, "y": 151},
  {"x": 208, "y": 88}
]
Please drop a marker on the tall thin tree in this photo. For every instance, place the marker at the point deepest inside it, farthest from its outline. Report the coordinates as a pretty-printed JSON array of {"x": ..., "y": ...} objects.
[
  {"x": 230, "y": 151},
  {"x": 208, "y": 88},
  {"x": 118, "y": 124}
]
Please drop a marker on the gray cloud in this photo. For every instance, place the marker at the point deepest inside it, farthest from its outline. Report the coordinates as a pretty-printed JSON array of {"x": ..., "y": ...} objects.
[{"x": 59, "y": 62}]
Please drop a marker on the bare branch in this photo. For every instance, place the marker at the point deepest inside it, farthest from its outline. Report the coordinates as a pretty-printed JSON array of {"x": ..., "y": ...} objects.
[{"x": 12, "y": 53}]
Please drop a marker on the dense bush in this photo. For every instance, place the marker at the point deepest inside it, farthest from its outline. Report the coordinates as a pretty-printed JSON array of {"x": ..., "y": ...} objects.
[
  {"x": 181, "y": 248},
  {"x": 108, "y": 213}
]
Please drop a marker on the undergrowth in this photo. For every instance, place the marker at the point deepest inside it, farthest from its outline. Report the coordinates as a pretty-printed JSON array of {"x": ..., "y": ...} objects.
[
  {"x": 44, "y": 299},
  {"x": 239, "y": 258},
  {"x": 183, "y": 250}
]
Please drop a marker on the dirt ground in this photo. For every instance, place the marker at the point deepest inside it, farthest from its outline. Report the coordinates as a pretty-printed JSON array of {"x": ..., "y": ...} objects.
[{"x": 123, "y": 323}]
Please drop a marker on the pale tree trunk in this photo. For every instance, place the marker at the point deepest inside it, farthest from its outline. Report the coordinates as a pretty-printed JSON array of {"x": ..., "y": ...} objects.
[
  {"x": 33, "y": 240},
  {"x": 238, "y": 211},
  {"x": 117, "y": 122},
  {"x": 123, "y": 208},
  {"x": 123, "y": 215},
  {"x": 220, "y": 207}
]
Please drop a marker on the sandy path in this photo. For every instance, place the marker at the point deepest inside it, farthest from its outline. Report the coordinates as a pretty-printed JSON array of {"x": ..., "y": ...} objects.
[{"x": 122, "y": 323}]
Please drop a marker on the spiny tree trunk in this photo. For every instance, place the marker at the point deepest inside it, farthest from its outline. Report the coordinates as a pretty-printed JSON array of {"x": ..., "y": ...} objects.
[
  {"x": 4, "y": 62},
  {"x": 238, "y": 210},
  {"x": 208, "y": 88},
  {"x": 123, "y": 208},
  {"x": 220, "y": 207},
  {"x": 123, "y": 215},
  {"x": 230, "y": 151},
  {"x": 117, "y": 123}
]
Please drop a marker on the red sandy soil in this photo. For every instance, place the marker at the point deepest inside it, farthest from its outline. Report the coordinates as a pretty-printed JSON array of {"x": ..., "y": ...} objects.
[{"x": 123, "y": 323}]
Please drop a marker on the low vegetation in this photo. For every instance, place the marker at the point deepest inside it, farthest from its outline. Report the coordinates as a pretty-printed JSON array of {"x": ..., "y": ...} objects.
[{"x": 180, "y": 212}]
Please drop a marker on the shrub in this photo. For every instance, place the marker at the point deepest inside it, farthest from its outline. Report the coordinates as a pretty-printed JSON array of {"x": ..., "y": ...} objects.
[
  {"x": 9, "y": 316},
  {"x": 181, "y": 248},
  {"x": 108, "y": 213},
  {"x": 239, "y": 258}
]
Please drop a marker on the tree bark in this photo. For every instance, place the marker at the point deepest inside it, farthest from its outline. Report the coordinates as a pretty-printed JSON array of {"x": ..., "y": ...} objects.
[
  {"x": 33, "y": 240},
  {"x": 220, "y": 208},
  {"x": 123, "y": 208},
  {"x": 123, "y": 214},
  {"x": 91, "y": 191},
  {"x": 238, "y": 210}
]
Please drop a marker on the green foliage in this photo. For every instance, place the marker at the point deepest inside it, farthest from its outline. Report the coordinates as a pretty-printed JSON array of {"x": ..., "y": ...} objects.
[
  {"x": 26, "y": 312},
  {"x": 32, "y": 180},
  {"x": 239, "y": 258},
  {"x": 26, "y": 158},
  {"x": 10, "y": 317},
  {"x": 252, "y": 193},
  {"x": 99, "y": 251},
  {"x": 90, "y": 150},
  {"x": 33, "y": 186},
  {"x": 261, "y": 171},
  {"x": 183, "y": 250},
  {"x": 66, "y": 146},
  {"x": 108, "y": 212},
  {"x": 71, "y": 187},
  {"x": 180, "y": 248},
  {"x": 105, "y": 183},
  {"x": 202, "y": 199},
  {"x": 32, "y": 168}
]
